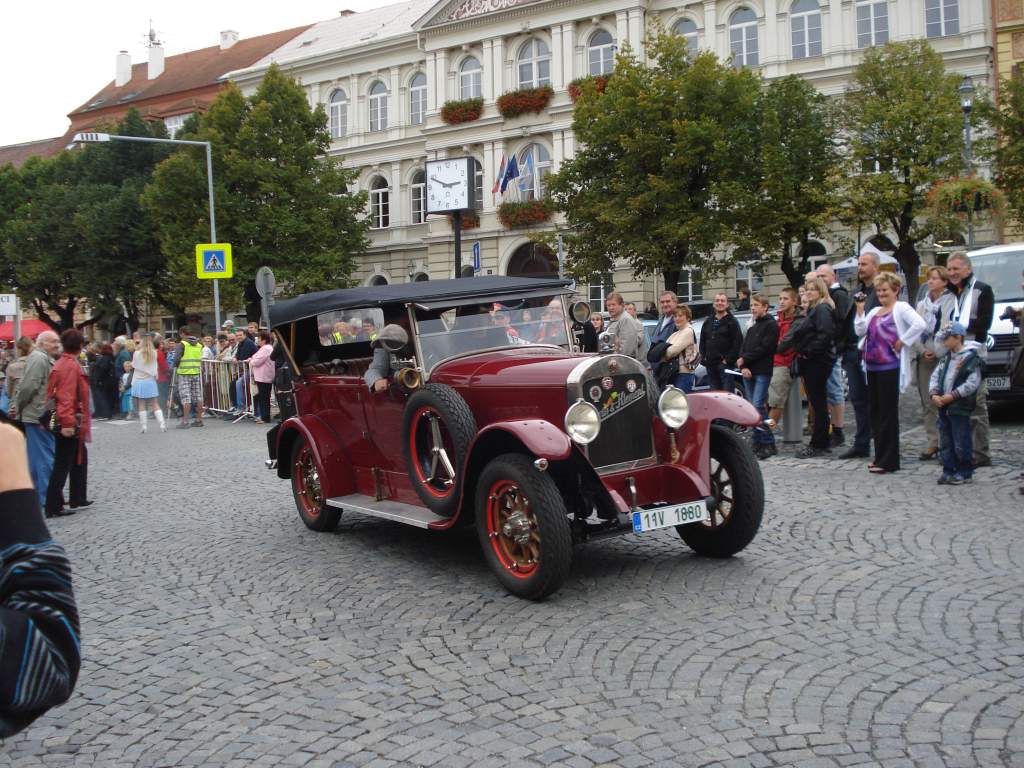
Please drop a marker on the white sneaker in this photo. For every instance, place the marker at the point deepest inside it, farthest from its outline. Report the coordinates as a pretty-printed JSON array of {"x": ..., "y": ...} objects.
[
  {"x": 163, "y": 427},
  {"x": 143, "y": 430}
]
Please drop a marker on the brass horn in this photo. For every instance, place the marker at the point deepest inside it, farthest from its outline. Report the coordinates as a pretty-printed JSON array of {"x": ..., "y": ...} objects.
[{"x": 409, "y": 379}]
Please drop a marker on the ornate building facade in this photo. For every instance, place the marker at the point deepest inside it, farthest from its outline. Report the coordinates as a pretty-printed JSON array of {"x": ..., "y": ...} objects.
[{"x": 385, "y": 76}]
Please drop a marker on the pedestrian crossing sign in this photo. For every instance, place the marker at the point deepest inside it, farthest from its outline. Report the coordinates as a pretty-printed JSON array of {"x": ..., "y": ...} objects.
[{"x": 213, "y": 260}]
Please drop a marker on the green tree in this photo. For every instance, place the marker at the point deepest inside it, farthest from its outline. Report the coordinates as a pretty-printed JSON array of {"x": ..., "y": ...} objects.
[
  {"x": 280, "y": 201},
  {"x": 798, "y": 163},
  {"x": 659, "y": 153},
  {"x": 1006, "y": 117},
  {"x": 903, "y": 128}
]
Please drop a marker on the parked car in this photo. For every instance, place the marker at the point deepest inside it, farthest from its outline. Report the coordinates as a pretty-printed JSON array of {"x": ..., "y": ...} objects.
[
  {"x": 491, "y": 418},
  {"x": 1001, "y": 266}
]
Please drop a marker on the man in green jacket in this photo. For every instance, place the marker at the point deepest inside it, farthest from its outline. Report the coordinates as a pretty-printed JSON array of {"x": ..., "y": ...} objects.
[{"x": 29, "y": 405}]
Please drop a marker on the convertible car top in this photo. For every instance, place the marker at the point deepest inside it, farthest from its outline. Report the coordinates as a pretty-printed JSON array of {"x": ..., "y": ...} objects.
[{"x": 429, "y": 292}]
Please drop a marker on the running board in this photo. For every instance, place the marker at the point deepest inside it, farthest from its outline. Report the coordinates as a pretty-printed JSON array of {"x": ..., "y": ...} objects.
[{"x": 421, "y": 517}]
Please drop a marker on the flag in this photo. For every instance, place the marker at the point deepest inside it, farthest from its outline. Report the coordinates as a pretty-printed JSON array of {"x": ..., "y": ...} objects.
[
  {"x": 526, "y": 178},
  {"x": 497, "y": 179},
  {"x": 512, "y": 172}
]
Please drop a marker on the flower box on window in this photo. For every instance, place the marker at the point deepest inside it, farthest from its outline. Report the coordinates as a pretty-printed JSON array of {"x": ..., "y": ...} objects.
[
  {"x": 523, "y": 101},
  {"x": 971, "y": 194},
  {"x": 576, "y": 86},
  {"x": 469, "y": 221},
  {"x": 525, "y": 214},
  {"x": 465, "y": 111}
]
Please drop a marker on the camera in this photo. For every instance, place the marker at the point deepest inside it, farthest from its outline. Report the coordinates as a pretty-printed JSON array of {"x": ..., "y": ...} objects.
[
  {"x": 1012, "y": 313},
  {"x": 860, "y": 297}
]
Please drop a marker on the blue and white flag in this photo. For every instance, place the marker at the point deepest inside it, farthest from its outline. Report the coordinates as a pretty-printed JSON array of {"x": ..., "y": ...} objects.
[
  {"x": 526, "y": 178},
  {"x": 512, "y": 172}
]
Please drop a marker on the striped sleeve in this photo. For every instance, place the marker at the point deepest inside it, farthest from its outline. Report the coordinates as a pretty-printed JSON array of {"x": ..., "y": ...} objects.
[{"x": 39, "y": 639}]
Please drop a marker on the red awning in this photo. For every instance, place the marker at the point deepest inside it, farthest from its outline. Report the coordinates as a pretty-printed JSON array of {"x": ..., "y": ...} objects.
[{"x": 29, "y": 327}]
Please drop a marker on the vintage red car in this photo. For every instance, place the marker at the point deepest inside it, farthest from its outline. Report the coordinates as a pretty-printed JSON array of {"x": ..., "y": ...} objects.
[{"x": 489, "y": 416}]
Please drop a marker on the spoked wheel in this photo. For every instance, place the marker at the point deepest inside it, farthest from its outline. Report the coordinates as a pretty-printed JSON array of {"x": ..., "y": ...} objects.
[
  {"x": 306, "y": 488},
  {"x": 438, "y": 427},
  {"x": 523, "y": 527},
  {"x": 738, "y": 490}
]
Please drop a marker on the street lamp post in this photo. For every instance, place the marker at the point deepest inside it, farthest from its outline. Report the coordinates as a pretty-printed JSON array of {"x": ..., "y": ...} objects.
[
  {"x": 966, "y": 91},
  {"x": 92, "y": 138}
]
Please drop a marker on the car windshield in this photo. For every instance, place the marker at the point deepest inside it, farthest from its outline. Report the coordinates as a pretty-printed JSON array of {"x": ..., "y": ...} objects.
[
  {"x": 445, "y": 333},
  {"x": 1003, "y": 272}
]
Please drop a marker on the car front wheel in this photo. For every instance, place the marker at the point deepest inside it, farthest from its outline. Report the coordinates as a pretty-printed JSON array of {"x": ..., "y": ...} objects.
[
  {"x": 523, "y": 527},
  {"x": 307, "y": 490},
  {"x": 738, "y": 490}
]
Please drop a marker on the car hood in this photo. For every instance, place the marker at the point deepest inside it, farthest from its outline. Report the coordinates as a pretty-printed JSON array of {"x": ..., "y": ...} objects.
[{"x": 526, "y": 366}]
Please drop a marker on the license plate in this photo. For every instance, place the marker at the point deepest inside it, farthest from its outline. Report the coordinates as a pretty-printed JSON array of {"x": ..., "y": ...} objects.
[
  {"x": 665, "y": 517},
  {"x": 998, "y": 382}
]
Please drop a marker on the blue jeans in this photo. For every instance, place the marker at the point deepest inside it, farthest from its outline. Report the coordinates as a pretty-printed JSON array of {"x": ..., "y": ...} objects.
[
  {"x": 955, "y": 444},
  {"x": 684, "y": 381},
  {"x": 834, "y": 387},
  {"x": 756, "y": 390},
  {"x": 858, "y": 382},
  {"x": 40, "y": 457},
  {"x": 716, "y": 375}
]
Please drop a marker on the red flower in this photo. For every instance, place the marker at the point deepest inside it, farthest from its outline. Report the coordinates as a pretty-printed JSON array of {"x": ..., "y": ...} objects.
[
  {"x": 466, "y": 111},
  {"x": 526, "y": 100}
]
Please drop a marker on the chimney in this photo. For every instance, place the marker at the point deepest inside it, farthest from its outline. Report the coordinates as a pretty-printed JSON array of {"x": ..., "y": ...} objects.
[
  {"x": 156, "y": 61},
  {"x": 228, "y": 38},
  {"x": 346, "y": 12},
  {"x": 124, "y": 69}
]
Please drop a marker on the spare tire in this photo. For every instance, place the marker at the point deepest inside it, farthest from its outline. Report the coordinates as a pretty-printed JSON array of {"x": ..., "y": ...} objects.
[{"x": 437, "y": 430}]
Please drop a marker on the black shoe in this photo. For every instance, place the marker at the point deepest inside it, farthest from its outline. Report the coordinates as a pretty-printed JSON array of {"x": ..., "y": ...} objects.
[
  {"x": 82, "y": 505},
  {"x": 61, "y": 513},
  {"x": 837, "y": 438},
  {"x": 928, "y": 455},
  {"x": 810, "y": 452},
  {"x": 981, "y": 463},
  {"x": 853, "y": 453}
]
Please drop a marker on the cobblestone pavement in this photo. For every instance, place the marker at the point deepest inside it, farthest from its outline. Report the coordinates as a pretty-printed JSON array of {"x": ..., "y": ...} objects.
[{"x": 874, "y": 621}]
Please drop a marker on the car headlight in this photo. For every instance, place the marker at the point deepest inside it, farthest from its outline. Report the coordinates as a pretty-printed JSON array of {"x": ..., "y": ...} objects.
[
  {"x": 673, "y": 407},
  {"x": 582, "y": 422}
]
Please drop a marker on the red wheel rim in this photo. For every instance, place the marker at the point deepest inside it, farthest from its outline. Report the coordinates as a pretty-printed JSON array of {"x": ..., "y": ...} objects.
[
  {"x": 432, "y": 452},
  {"x": 512, "y": 529},
  {"x": 306, "y": 481}
]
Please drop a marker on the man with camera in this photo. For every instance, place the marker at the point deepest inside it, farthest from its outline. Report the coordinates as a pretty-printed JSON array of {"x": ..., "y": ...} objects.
[{"x": 868, "y": 264}]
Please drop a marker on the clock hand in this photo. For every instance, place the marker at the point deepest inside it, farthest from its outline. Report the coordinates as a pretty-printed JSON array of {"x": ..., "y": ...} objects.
[{"x": 435, "y": 179}]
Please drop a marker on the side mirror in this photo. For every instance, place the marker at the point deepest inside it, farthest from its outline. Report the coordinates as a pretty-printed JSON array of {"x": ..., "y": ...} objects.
[{"x": 580, "y": 311}]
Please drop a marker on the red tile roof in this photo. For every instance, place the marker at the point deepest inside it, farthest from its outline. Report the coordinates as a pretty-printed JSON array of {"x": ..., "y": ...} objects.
[
  {"x": 17, "y": 154},
  {"x": 186, "y": 72}
]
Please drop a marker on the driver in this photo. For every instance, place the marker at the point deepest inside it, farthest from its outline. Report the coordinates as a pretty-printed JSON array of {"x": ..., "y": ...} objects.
[{"x": 389, "y": 341}]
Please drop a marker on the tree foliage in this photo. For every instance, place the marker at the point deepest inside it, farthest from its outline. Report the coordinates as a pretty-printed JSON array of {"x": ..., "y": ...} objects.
[
  {"x": 1006, "y": 117},
  {"x": 280, "y": 201},
  {"x": 903, "y": 133},
  {"x": 659, "y": 155}
]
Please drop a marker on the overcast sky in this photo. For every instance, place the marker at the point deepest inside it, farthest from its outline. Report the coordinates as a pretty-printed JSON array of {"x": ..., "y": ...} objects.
[{"x": 54, "y": 54}]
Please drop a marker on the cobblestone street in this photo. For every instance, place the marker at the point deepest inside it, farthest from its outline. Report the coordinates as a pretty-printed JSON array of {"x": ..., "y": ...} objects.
[{"x": 874, "y": 621}]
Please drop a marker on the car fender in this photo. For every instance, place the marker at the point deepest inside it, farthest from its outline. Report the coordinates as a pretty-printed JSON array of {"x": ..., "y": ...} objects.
[
  {"x": 333, "y": 464},
  {"x": 707, "y": 406}
]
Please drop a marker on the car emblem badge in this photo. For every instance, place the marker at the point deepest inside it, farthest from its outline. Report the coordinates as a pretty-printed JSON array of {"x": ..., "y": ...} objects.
[
  {"x": 631, "y": 386},
  {"x": 607, "y": 382},
  {"x": 613, "y": 366},
  {"x": 595, "y": 393}
]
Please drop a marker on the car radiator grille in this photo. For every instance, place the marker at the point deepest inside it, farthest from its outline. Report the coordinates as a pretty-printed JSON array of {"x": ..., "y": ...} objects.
[
  {"x": 625, "y": 438},
  {"x": 1005, "y": 341}
]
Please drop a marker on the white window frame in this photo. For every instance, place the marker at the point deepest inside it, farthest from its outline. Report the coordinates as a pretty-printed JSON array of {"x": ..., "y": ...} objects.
[
  {"x": 380, "y": 203},
  {"x": 378, "y": 106},
  {"x": 418, "y": 198},
  {"x": 743, "y": 39},
  {"x": 689, "y": 35},
  {"x": 337, "y": 112},
  {"x": 175, "y": 123},
  {"x": 418, "y": 99},
  {"x": 597, "y": 290},
  {"x": 535, "y": 55},
  {"x": 601, "y": 56},
  {"x": 478, "y": 172},
  {"x": 689, "y": 278},
  {"x": 804, "y": 23},
  {"x": 541, "y": 168},
  {"x": 471, "y": 78},
  {"x": 876, "y": 13},
  {"x": 948, "y": 23},
  {"x": 750, "y": 273}
]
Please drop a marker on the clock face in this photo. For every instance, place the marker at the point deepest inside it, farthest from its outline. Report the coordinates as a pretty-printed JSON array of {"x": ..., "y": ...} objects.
[{"x": 449, "y": 185}]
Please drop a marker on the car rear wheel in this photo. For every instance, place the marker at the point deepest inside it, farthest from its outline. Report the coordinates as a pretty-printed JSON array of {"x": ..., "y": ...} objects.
[
  {"x": 307, "y": 490},
  {"x": 738, "y": 490},
  {"x": 438, "y": 427},
  {"x": 523, "y": 527}
]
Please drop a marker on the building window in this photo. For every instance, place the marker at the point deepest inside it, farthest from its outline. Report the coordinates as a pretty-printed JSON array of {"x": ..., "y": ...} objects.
[
  {"x": 750, "y": 275},
  {"x": 534, "y": 165},
  {"x": 418, "y": 191},
  {"x": 689, "y": 287},
  {"x": 597, "y": 290},
  {"x": 175, "y": 123},
  {"x": 378, "y": 279},
  {"x": 805, "y": 22},
  {"x": 417, "y": 98},
  {"x": 478, "y": 173},
  {"x": 601, "y": 53},
  {"x": 380, "y": 204},
  {"x": 816, "y": 254},
  {"x": 378, "y": 107},
  {"x": 534, "y": 64},
  {"x": 470, "y": 74},
  {"x": 942, "y": 17},
  {"x": 338, "y": 113},
  {"x": 687, "y": 28},
  {"x": 743, "y": 37},
  {"x": 872, "y": 23}
]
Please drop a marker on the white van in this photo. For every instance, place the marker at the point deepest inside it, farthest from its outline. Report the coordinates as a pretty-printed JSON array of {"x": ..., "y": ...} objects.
[{"x": 1001, "y": 266}]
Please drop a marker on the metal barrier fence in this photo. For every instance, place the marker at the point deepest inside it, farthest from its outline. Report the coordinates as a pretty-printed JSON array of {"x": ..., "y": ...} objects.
[{"x": 228, "y": 385}]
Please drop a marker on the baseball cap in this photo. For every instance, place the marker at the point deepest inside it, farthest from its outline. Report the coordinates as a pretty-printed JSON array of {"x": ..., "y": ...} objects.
[{"x": 953, "y": 329}]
